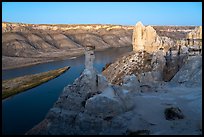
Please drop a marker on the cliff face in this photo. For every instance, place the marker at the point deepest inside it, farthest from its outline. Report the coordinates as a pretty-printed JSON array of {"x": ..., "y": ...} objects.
[
  {"x": 174, "y": 32},
  {"x": 7, "y": 27},
  {"x": 25, "y": 40}
]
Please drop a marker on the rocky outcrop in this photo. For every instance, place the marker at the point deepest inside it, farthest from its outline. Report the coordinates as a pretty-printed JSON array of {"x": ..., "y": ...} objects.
[
  {"x": 194, "y": 41},
  {"x": 146, "y": 38},
  {"x": 147, "y": 61},
  {"x": 81, "y": 110},
  {"x": 163, "y": 61},
  {"x": 117, "y": 110},
  {"x": 190, "y": 74},
  {"x": 88, "y": 106},
  {"x": 175, "y": 59},
  {"x": 195, "y": 34},
  {"x": 133, "y": 63},
  {"x": 174, "y": 32}
]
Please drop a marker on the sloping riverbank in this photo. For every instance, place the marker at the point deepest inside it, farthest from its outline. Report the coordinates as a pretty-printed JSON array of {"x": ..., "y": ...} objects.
[{"x": 16, "y": 85}]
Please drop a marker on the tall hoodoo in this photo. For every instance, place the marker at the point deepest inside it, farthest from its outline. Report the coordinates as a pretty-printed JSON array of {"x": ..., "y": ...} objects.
[
  {"x": 195, "y": 34},
  {"x": 138, "y": 40},
  {"x": 146, "y": 38},
  {"x": 89, "y": 57},
  {"x": 195, "y": 37}
]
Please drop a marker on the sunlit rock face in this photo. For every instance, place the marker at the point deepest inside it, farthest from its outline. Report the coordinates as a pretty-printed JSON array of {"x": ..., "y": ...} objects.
[
  {"x": 195, "y": 38},
  {"x": 146, "y": 38},
  {"x": 148, "y": 55},
  {"x": 154, "y": 58},
  {"x": 132, "y": 63},
  {"x": 138, "y": 38},
  {"x": 195, "y": 34}
]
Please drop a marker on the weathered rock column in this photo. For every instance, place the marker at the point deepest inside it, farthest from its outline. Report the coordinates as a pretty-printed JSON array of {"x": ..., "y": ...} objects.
[
  {"x": 146, "y": 39},
  {"x": 89, "y": 68},
  {"x": 137, "y": 40},
  {"x": 89, "y": 57},
  {"x": 194, "y": 35}
]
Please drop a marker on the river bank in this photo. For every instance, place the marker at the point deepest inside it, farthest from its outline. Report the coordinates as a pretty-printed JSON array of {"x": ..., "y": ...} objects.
[
  {"x": 16, "y": 85},
  {"x": 18, "y": 62}
]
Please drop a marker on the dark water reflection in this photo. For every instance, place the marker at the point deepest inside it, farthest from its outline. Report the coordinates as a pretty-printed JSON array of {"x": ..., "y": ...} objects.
[{"x": 22, "y": 111}]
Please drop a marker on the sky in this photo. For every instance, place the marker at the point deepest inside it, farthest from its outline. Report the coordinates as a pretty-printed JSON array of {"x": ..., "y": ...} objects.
[{"x": 123, "y": 13}]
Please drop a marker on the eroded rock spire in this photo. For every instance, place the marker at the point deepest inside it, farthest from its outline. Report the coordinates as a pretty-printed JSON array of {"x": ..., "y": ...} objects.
[
  {"x": 146, "y": 39},
  {"x": 89, "y": 57}
]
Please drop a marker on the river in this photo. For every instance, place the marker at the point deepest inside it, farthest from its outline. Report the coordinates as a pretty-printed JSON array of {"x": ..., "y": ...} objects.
[{"x": 23, "y": 111}]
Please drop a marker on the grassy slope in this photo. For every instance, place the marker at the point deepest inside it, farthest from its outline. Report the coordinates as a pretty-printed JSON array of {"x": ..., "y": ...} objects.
[{"x": 16, "y": 85}]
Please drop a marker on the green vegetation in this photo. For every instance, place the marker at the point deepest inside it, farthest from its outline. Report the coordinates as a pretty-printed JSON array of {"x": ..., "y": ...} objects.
[{"x": 16, "y": 85}]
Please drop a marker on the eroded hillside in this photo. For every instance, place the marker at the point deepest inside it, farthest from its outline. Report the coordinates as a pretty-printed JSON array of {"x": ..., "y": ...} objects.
[{"x": 25, "y": 44}]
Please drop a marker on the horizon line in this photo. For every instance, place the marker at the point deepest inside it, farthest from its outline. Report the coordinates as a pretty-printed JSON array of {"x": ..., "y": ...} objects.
[{"x": 87, "y": 24}]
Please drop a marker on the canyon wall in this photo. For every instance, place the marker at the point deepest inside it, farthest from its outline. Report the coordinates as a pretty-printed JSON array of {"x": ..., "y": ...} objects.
[
  {"x": 25, "y": 40},
  {"x": 25, "y": 44}
]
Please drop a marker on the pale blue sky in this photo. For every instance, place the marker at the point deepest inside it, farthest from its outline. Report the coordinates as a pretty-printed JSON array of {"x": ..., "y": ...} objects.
[{"x": 124, "y": 13}]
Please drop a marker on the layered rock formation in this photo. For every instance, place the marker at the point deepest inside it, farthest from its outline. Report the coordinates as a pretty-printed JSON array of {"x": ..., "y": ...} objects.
[
  {"x": 25, "y": 44},
  {"x": 7, "y": 27},
  {"x": 30, "y": 42},
  {"x": 173, "y": 32}
]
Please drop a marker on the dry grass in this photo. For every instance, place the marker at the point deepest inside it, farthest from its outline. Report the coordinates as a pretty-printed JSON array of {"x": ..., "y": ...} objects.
[{"x": 16, "y": 85}]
